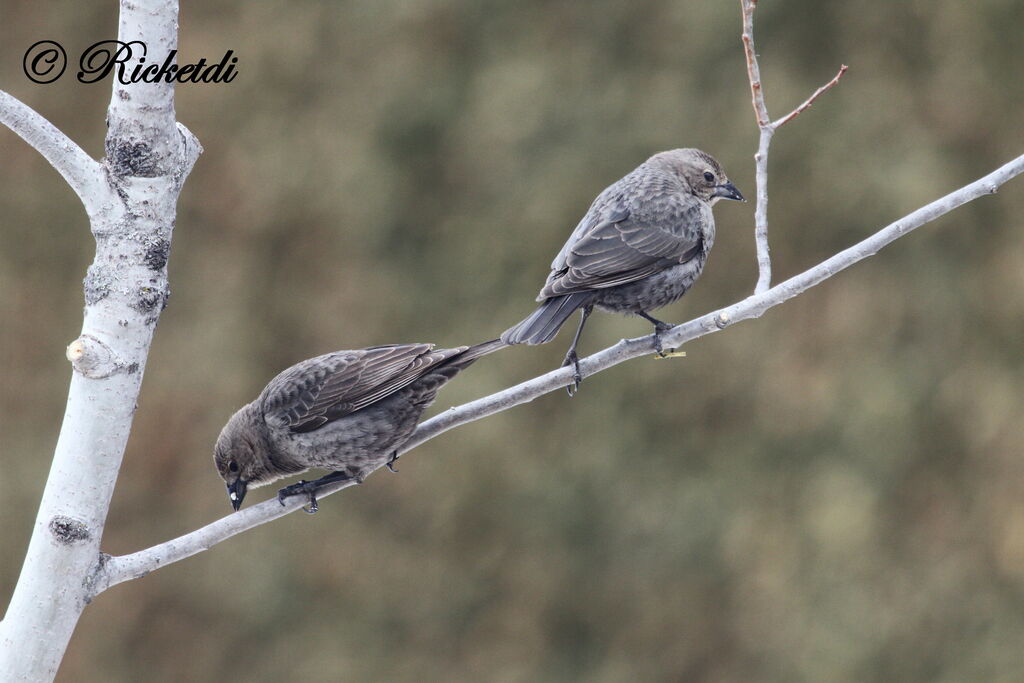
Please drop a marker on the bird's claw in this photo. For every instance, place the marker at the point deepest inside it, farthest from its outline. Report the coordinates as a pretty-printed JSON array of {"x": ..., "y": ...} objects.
[
  {"x": 301, "y": 488},
  {"x": 673, "y": 353},
  {"x": 390, "y": 464},
  {"x": 659, "y": 329},
  {"x": 572, "y": 359}
]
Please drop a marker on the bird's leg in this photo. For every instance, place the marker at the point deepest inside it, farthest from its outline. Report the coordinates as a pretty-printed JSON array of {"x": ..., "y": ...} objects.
[
  {"x": 390, "y": 464},
  {"x": 660, "y": 327},
  {"x": 570, "y": 357},
  {"x": 309, "y": 488}
]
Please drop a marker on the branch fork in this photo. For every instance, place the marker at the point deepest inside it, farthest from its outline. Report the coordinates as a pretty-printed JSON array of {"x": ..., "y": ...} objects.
[{"x": 767, "y": 128}]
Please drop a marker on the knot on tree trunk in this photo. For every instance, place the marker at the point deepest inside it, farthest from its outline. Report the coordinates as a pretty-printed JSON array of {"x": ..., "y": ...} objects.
[
  {"x": 68, "y": 530},
  {"x": 91, "y": 357}
]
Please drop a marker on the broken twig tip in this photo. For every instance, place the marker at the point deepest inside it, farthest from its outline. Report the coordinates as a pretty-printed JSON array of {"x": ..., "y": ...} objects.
[{"x": 76, "y": 350}]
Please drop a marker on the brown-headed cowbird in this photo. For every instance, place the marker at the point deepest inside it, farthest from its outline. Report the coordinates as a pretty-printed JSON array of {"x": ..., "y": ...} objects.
[
  {"x": 640, "y": 246},
  {"x": 347, "y": 411}
]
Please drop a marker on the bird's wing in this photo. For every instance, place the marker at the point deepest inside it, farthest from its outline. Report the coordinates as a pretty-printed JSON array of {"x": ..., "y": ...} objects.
[
  {"x": 604, "y": 210},
  {"x": 623, "y": 246},
  {"x": 319, "y": 390}
]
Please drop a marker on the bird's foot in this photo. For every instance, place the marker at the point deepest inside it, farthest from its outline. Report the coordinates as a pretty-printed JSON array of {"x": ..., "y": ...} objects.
[
  {"x": 671, "y": 353},
  {"x": 390, "y": 464},
  {"x": 659, "y": 329},
  {"x": 309, "y": 488},
  {"x": 302, "y": 488},
  {"x": 572, "y": 359}
]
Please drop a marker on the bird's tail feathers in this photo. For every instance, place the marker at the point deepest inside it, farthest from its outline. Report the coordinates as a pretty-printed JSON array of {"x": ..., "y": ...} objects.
[
  {"x": 479, "y": 351},
  {"x": 542, "y": 325},
  {"x": 461, "y": 360}
]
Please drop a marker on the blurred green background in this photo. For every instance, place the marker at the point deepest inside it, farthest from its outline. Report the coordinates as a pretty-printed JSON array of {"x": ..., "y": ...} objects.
[{"x": 832, "y": 492}]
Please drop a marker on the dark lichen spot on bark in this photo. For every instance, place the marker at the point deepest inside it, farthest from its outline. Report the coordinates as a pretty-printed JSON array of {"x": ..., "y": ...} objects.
[
  {"x": 68, "y": 530},
  {"x": 97, "y": 284},
  {"x": 157, "y": 253},
  {"x": 132, "y": 368},
  {"x": 147, "y": 299},
  {"x": 130, "y": 158},
  {"x": 151, "y": 298}
]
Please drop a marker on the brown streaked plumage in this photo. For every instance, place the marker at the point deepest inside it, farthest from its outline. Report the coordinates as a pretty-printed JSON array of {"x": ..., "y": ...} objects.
[
  {"x": 347, "y": 411},
  {"x": 640, "y": 246}
]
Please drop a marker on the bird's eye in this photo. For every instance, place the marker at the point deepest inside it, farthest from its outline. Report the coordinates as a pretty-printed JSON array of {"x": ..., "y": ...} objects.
[
  {"x": 233, "y": 466},
  {"x": 709, "y": 176}
]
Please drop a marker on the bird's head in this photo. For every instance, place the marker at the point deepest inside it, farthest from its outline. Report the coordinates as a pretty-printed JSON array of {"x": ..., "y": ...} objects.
[
  {"x": 242, "y": 455},
  {"x": 699, "y": 172}
]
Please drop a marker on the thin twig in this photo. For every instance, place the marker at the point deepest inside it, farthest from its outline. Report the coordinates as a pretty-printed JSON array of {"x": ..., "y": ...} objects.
[
  {"x": 764, "y": 260},
  {"x": 82, "y": 172},
  {"x": 810, "y": 100},
  {"x": 753, "y": 70},
  {"x": 135, "y": 565}
]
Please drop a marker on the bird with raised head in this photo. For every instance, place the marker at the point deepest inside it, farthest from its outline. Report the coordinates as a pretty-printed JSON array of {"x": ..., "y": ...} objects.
[
  {"x": 640, "y": 246},
  {"x": 346, "y": 411}
]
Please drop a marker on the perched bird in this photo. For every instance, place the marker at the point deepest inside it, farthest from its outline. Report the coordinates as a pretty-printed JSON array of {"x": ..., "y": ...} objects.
[
  {"x": 640, "y": 246},
  {"x": 347, "y": 411}
]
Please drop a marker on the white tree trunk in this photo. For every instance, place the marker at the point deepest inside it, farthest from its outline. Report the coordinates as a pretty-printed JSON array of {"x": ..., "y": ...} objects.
[{"x": 130, "y": 199}]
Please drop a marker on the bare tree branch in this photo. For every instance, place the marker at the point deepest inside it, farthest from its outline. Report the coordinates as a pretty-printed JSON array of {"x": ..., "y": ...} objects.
[
  {"x": 810, "y": 100},
  {"x": 767, "y": 128},
  {"x": 82, "y": 172},
  {"x": 135, "y": 565}
]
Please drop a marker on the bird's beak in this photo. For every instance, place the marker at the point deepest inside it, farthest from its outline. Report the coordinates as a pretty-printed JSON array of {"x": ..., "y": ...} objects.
[
  {"x": 236, "y": 492},
  {"x": 727, "y": 191}
]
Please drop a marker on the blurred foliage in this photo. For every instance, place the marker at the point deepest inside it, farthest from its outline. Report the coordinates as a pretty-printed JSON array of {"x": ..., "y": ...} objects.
[{"x": 832, "y": 492}]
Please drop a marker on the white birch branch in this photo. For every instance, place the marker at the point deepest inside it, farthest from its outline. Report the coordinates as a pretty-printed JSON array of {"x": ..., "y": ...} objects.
[
  {"x": 131, "y": 199},
  {"x": 135, "y": 565},
  {"x": 83, "y": 173},
  {"x": 767, "y": 129}
]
